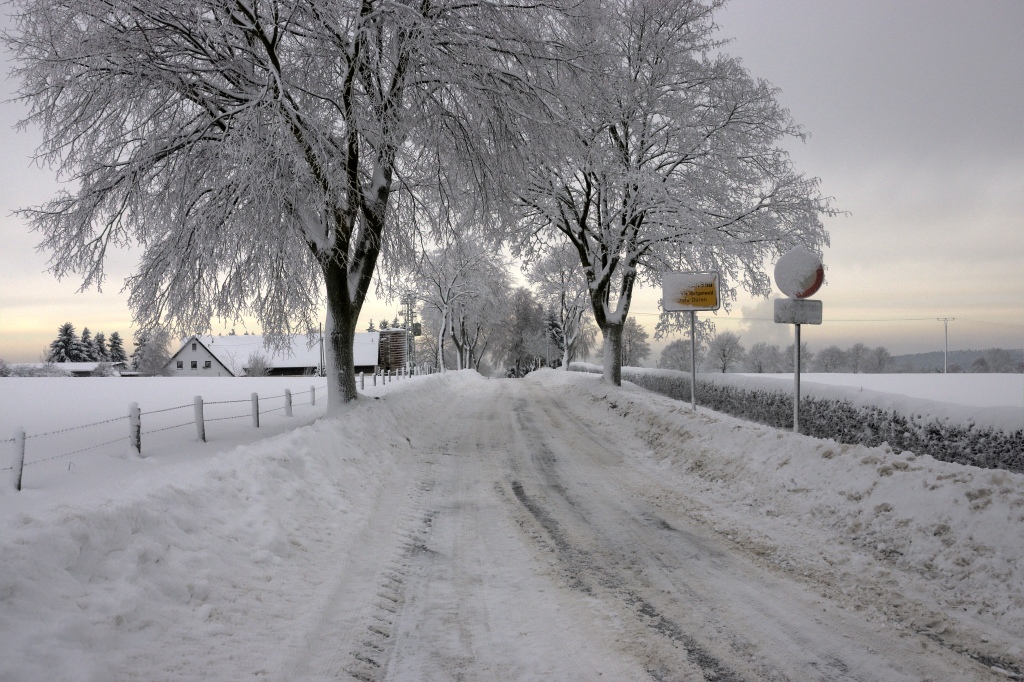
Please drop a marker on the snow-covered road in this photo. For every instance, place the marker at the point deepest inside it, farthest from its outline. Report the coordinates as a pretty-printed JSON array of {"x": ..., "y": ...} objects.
[
  {"x": 550, "y": 528},
  {"x": 523, "y": 543}
]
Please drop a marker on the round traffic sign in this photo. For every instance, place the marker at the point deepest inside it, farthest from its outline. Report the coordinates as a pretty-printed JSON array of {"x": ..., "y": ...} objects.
[{"x": 799, "y": 273}]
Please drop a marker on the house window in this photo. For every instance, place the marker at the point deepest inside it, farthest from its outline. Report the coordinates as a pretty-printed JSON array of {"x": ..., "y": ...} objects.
[
  {"x": 195, "y": 365},
  {"x": 193, "y": 346},
  {"x": 181, "y": 364},
  {"x": 206, "y": 365}
]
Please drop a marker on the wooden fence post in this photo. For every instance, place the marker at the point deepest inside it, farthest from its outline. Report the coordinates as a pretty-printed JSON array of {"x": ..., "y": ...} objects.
[
  {"x": 200, "y": 422},
  {"x": 375, "y": 378},
  {"x": 255, "y": 411},
  {"x": 18, "y": 461},
  {"x": 135, "y": 427},
  {"x": 362, "y": 381},
  {"x": 287, "y": 402},
  {"x": 312, "y": 395}
]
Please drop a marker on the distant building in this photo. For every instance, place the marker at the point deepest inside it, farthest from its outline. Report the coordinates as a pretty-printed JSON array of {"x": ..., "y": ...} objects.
[
  {"x": 228, "y": 356},
  {"x": 394, "y": 349},
  {"x": 73, "y": 369}
]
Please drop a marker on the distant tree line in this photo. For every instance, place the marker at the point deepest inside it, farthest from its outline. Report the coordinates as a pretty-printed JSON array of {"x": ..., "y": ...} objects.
[
  {"x": 149, "y": 357},
  {"x": 726, "y": 353},
  {"x": 70, "y": 347}
]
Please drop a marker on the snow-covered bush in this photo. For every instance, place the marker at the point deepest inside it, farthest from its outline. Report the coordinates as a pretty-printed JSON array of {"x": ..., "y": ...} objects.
[{"x": 843, "y": 421}]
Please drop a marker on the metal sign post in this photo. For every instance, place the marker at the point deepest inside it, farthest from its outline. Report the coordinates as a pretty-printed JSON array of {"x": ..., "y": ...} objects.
[
  {"x": 690, "y": 292},
  {"x": 796, "y": 312}
]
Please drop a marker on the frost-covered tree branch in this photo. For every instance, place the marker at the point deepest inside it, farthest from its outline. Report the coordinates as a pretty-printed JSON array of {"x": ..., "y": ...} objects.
[
  {"x": 663, "y": 156},
  {"x": 265, "y": 154}
]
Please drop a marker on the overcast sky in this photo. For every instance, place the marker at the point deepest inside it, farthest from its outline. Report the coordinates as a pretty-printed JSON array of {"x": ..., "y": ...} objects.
[{"x": 915, "y": 111}]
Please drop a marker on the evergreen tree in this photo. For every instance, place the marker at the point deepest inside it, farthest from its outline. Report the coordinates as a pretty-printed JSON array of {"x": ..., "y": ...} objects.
[
  {"x": 116, "y": 352},
  {"x": 66, "y": 347},
  {"x": 89, "y": 353},
  {"x": 100, "y": 344}
]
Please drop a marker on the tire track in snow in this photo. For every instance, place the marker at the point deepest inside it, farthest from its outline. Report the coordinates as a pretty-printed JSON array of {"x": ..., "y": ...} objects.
[{"x": 685, "y": 583}]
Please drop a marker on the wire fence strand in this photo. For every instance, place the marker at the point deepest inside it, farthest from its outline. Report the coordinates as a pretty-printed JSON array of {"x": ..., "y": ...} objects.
[
  {"x": 74, "y": 428},
  {"x": 148, "y": 413},
  {"x": 75, "y": 452}
]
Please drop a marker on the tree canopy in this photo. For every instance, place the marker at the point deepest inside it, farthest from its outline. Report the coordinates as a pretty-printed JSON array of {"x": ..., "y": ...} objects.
[{"x": 663, "y": 156}]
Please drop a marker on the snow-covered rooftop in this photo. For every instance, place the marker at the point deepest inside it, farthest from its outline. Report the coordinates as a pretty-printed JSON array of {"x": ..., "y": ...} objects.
[{"x": 233, "y": 351}]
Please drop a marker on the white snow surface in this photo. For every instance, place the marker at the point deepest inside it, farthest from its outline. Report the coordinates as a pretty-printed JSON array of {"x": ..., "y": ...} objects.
[
  {"x": 986, "y": 400},
  {"x": 429, "y": 532}
]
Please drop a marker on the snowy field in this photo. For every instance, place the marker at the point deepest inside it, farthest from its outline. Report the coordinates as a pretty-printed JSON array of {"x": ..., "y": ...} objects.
[
  {"x": 454, "y": 527},
  {"x": 972, "y": 390},
  {"x": 987, "y": 400}
]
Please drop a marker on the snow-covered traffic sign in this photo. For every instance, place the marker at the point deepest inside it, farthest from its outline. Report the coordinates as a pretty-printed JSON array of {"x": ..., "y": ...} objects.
[
  {"x": 799, "y": 273},
  {"x": 690, "y": 291},
  {"x": 797, "y": 311}
]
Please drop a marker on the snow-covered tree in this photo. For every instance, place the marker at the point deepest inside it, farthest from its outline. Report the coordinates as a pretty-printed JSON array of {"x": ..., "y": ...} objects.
[
  {"x": 264, "y": 154},
  {"x": 635, "y": 348},
  {"x": 563, "y": 288},
  {"x": 831, "y": 359},
  {"x": 89, "y": 351},
  {"x": 857, "y": 357},
  {"x": 151, "y": 354},
  {"x": 522, "y": 341},
  {"x": 117, "y": 353},
  {"x": 257, "y": 365},
  {"x": 676, "y": 355},
  {"x": 764, "y": 358},
  {"x": 879, "y": 360},
  {"x": 67, "y": 347},
  {"x": 663, "y": 156},
  {"x": 725, "y": 351},
  {"x": 1001, "y": 360},
  {"x": 100, "y": 345},
  {"x": 462, "y": 281},
  {"x": 806, "y": 358}
]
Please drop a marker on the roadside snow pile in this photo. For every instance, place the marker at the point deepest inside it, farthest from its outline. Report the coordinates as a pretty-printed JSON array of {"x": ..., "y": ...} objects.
[
  {"x": 192, "y": 552},
  {"x": 953, "y": 530},
  {"x": 989, "y": 437}
]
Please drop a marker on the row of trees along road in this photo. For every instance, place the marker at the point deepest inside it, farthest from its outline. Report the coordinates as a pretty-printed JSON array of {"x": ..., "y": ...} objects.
[{"x": 272, "y": 159}]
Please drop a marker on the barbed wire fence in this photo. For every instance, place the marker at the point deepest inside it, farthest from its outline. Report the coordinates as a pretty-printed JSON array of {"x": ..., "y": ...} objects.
[
  {"x": 135, "y": 435},
  {"x": 199, "y": 420}
]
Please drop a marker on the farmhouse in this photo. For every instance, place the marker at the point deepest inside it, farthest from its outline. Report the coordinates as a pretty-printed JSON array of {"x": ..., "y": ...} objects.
[{"x": 229, "y": 356}]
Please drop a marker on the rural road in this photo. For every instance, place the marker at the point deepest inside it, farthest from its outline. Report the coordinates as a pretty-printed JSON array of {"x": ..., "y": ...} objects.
[{"x": 519, "y": 543}]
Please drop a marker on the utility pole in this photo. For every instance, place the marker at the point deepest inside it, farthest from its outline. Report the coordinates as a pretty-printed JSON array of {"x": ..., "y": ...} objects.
[{"x": 945, "y": 348}]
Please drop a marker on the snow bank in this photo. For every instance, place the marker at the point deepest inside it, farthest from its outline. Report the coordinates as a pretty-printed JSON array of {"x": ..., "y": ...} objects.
[
  {"x": 193, "y": 551},
  {"x": 955, "y": 530},
  {"x": 989, "y": 437}
]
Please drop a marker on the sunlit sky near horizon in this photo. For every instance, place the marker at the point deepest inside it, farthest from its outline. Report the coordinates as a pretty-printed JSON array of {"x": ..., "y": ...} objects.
[{"x": 915, "y": 110}]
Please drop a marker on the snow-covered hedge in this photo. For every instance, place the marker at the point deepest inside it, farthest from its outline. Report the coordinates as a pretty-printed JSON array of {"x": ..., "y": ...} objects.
[{"x": 842, "y": 420}]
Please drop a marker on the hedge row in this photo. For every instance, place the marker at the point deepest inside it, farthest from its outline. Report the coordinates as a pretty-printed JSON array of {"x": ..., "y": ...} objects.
[{"x": 845, "y": 422}]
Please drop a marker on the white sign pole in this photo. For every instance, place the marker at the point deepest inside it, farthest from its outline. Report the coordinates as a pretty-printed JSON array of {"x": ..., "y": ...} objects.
[
  {"x": 693, "y": 360},
  {"x": 796, "y": 381}
]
